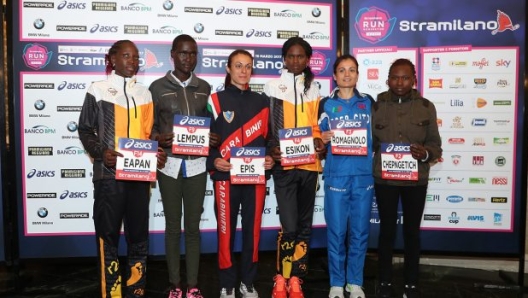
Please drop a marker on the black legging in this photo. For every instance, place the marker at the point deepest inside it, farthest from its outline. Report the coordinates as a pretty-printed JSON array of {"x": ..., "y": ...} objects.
[{"x": 413, "y": 202}]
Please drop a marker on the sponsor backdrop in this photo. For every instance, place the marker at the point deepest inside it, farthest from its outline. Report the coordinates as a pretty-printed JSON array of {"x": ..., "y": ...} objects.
[
  {"x": 59, "y": 49},
  {"x": 469, "y": 58}
]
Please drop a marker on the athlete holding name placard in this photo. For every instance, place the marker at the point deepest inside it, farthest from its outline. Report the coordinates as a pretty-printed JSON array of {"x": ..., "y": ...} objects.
[
  {"x": 115, "y": 108},
  {"x": 348, "y": 183},
  {"x": 406, "y": 141}
]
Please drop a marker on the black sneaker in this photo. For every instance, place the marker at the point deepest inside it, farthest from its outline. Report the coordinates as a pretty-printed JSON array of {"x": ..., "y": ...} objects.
[
  {"x": 384, "y": 290},
  {"x": 411, "y": 291}
]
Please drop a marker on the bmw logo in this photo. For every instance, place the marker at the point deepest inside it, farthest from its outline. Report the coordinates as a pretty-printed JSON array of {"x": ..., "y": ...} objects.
[
  {"x": 316, "y": 12},
  {"x": 72, "y": 126},
  {"x": 168, "y": 5},
  {"x": 198, "y": 28},
  {"x": 38, "y": 24},
  {"x": 42, "y": 212},
  {"x": 39, "y": 104}
]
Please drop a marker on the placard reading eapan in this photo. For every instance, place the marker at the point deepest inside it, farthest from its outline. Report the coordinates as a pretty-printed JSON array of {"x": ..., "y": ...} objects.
[
  {"x": 248, "y": 165},
  {"x": 297, "y": 146},
  {"x": 191, "y": 135},
  {"x": 139, "y": 161}
]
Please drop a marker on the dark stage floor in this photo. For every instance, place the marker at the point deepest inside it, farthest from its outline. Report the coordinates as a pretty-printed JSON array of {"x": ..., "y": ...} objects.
[{"x": 77, "y": 278}]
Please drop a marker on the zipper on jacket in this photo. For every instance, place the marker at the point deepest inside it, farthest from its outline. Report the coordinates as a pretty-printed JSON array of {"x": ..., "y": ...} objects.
[
  {"x": 295, "y": 105},
  {"x": 128, "y": 107}
]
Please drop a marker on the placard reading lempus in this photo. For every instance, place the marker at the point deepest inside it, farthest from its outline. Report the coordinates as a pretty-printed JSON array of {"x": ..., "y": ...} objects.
[
  {"x": 397, "y": 162},
  {"x": 350, "y": 137},
  {"x": 191, "y": 135},
  {"x": 248, "y": 165},
  {"x": 297, "y": 146},
  {"x": 139, "y": 161}
]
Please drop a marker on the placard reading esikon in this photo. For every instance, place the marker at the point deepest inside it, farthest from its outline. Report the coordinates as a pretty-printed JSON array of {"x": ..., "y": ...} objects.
[
  {"x": 248, "y": 165},
  {"x": 296, "y": 145},
  {"x": 191, "y": 135},
  {"x": 139, "y": 161}
]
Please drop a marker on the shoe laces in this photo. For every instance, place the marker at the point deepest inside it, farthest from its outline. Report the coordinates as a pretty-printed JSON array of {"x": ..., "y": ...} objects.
[
  {"x": 295, "y": 284},
  {"x": 246, "y": 289},
  {"x": 175, "y": 293},
  {"x": 280, "y": 283},
  {"x": 193, "y": 293},
  {"x": 226, "y": 291}
]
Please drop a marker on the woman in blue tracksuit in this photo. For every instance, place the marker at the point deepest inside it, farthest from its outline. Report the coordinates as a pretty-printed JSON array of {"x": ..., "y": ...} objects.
[{"x": 347, "y": 178}]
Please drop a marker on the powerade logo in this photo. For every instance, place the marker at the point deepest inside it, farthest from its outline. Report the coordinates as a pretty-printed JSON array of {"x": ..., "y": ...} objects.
[
  {"x": 73, "y": 195},
  {"x": 98, "y": 28},
  {"x": 246, "y": 151},
  {"x": 135, "y": 144},
  {"x": 398, "y": 148},
  {"x": 39, "y": 129},
  {"x": 258, "y": 33},
  {"x": 296, "y": 133},
  {"x": 225, "y": 10},
  {"x": 40, "y": 174},
  {"x": 71, "y": 86},
  {"x": 454, "y": 199},
  {"x": 71, "y": 5}
]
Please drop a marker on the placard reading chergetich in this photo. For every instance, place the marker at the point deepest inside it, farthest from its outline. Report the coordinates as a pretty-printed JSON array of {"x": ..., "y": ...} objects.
[
  {"x": 397, "y": 162},
  {"x": 191, "y": 135},
  {"x": 350, "y": 137},
  {"x": 248, "y": 165},
  {"x": 139, "y": 161},
  {"x": 297, "y": 146}
]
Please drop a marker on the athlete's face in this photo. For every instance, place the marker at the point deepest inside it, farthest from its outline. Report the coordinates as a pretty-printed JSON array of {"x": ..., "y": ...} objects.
[
  {"x": 401, "y": 80},
  {"x": 126, "y": 60},
  {"x": 240, "y": 70},
  {"x": 346, "y": 74},
  {"x": 184, "y": 58},
  {"x": 296, "y": 59}
]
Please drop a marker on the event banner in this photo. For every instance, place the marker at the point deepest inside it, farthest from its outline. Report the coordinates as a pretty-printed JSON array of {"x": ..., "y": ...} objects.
[
  {"x": 59, "y": 49},
  {"x": 469, "y": 62}
]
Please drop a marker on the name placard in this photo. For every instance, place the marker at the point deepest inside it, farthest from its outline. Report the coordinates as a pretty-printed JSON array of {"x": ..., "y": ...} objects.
[
  {"x": 297, "y": 146},
  {"x": 397, "y": 162},
  {"x": 191, "y": 135},
  {"x": 139, "y": 161},
  {"x": 248, "y": 165},
  {"x": 350, "y": 137}
]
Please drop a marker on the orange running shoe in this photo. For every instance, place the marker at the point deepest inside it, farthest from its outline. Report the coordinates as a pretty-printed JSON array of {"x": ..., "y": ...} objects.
[
  {"x": 294, "y": 287},
  {"x": 279, "y": 287}
]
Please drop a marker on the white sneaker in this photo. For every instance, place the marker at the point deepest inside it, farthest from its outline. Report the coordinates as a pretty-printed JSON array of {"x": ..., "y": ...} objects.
[
  {"x": 225, "y": 293},
  {"x": 336, "y": 292},
  {"x": 355, "y": 291},
  {"x": 248, "y": 291}
]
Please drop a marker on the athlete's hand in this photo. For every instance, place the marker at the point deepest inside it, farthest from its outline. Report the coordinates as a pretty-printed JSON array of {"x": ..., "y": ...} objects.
[
  {"x": 214, "y": 139},
  {"x": 268, "y": 162},
  {"x": 110, "y": 157},
  {"x": 275, "y": 153},
  {"x": 320, "y": 148},
  {"x": 222, "y": 165},
  {"x": 326, "y": 136},
  {"x": 162, "y": 158},
  {"x": 165, "y": 139}
]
